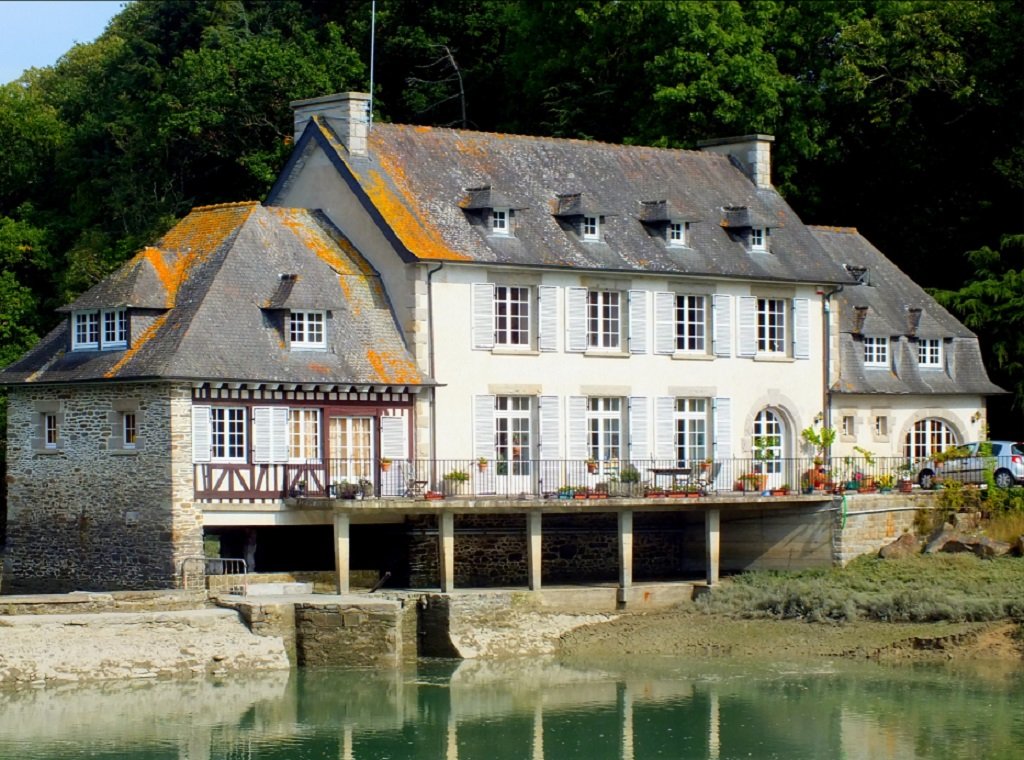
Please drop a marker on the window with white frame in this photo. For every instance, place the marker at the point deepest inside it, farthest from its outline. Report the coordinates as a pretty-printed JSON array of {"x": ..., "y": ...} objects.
[
  {"x": 759, "y": 239},
  {"x": 307, "y": 330},
  {"x": 512, "y": 316},
  {"x": 604, "y": 429},
  {"x": 591, "y": 228},
  {"x": 51, "y": 431},
  {"x": 115, "y": 328},
  {"x": 881, "y": 426},
  {"x": 227, "y": 434},
  {"x": 103, "y": 329},
  {"x": 513, "y": 436},
  {"x": 500, "y": 221},
  {"x": 691, "y": 431},
  {"x": 929, "y": 353},
  {"x": 771, "y": 325},
  {"x": 86, "y": 332},
  {"x": 848, "y": 427},
  {"x": 769, "y": 442},
  {"x": 129, "y": 430},
  {"x": 679, "y": 234},
  {"x": 876, "y": 352},
  {"x": 604, "y": 320},
  {"x": 303, "y": 435},
  {"x": 927, "y": 437},
  {"x": 691, "y": 323}
]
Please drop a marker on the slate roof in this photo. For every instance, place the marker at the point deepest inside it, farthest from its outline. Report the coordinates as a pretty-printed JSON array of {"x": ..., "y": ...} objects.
[
  {"x": 426, "y": 187},
  {"x": 894, "y": 306},
  {"x": 210, "y": 294}
]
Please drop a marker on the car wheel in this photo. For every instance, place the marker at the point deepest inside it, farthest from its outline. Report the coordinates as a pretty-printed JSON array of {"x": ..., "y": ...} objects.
[
  {"x": 1004, "y": 478},
  {"x": 925, "y": 478}
]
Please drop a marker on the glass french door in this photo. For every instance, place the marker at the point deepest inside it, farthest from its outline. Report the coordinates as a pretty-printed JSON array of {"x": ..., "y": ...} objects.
[
  {"x": 351, "y": 440},
  {"x": 513, "y": 443}
]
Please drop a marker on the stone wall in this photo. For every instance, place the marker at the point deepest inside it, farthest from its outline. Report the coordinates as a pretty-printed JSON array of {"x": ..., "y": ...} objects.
[
  {"x": 91, "y": 513},
  {"x": 871, "y": 523},
  {"x": 363, "y": 634}
]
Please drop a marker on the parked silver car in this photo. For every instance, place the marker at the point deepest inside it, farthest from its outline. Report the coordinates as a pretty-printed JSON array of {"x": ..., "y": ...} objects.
[{"x": 1005, "y": 459}]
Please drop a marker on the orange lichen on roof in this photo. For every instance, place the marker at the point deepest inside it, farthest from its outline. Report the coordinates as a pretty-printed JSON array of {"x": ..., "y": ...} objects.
[
  {"x": 401, "y": 211},
  {"x": 170, "y": 269},
  {"x": 830, "y": 228},
  {"x": 323, "y": 369},
  {"x": 139, "y": 343},
  {"x": 393, "y": 369},
  {"x": 206, "y": 227}
]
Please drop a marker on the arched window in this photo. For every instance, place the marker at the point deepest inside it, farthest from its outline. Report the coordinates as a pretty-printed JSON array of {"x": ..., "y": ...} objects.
[
  {"x": 928, "y": 437},
  {"x": 769, "y": 441}
]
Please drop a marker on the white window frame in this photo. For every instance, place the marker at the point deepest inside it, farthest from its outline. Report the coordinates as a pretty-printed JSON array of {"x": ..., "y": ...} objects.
[
  {"x": 513, "y": 435},
  {"x": 691, "y": 333},
  {"x": 771, "y": 326},
  {"x": 759, "y": 239},
  {"x": 228, "y": 434},
  {"x": 929, "y": 353},
  {"x": 51, "y": 430},
  {"x": 605, "y": 428},
  {"x": 768, "y": 424},
  {"x": 304, "y": 435},
  {"x": 849, "y": 426},
  {"x": 129, "y": 429},
  {"x": 114, "y": 328},
  {"x": 690, "y": 441},
  {"x": 85, "y": 330},
  {"x": 590, "y": 228},
  {"x": 881, "y": 427},
  {"x": 678, "y": 234},
  {"x": 307, "y": 329},
  {"x": 512, "y": 317},
  {"x": 501, "y": 222},
  {"x": 876, "y": 351},
  {"x": 926, "y": 437},
  {"x": 604, "y": 320}
]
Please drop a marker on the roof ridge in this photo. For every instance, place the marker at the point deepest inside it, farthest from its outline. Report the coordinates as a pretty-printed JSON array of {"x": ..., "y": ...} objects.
[
  {"x": 214, "y": 206},
  {"x": 833, "y": 228}
]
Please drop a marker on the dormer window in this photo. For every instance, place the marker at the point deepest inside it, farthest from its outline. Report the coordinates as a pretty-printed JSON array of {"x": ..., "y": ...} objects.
[
  {"x": 876, "y": 352},
  {"x": 678, "y": 234},
  {"x": 591, "y": 228},
  {"x": 500, "y": 221},
  {"x": 307, "y": 329},
  {"x": 99, "y": 329},
  {"x": 759, "y": 239},
  {"x": 929, "y": 353}
]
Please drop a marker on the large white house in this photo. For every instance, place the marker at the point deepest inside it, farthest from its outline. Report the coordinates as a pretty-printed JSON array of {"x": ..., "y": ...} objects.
[{"x": 418, "y": 309}]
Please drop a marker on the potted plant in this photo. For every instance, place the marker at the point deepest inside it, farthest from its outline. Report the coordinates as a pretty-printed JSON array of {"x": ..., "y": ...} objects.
[
  {"x": 579, "y": 493},
  {"x": 753, "y": 481},
  {"x": 905, "y": 482},
  {"x": 481, "y": 464},
  {"x": 565, "y": 492},
  {"x": 591, "y": 466},
  {"x": 885, "y": 482},
  {"x": 782, "y": 490},
  {"x": 385, "y": 464},
  {"x": 654, "y": 492},
  {"x": 454, "y": 481}
]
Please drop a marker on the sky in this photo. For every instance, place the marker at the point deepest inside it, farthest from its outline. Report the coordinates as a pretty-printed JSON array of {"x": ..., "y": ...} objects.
[{"x": 38, "y": 33}]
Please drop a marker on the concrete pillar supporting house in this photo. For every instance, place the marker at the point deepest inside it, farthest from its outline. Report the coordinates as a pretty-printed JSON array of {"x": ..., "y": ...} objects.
[
  {"x": 446, "y": 547},
  {"x": 342, "y": 551},
  {"x": 712, "y": 534},
  {"x": 625, "y": 554},
  {"x": 533, "y": 550}
]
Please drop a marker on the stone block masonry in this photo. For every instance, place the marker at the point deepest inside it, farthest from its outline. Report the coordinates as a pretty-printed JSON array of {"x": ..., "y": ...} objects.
[
  {"x": 871, "y": 523},
  {"x": 91, "y": 513}
]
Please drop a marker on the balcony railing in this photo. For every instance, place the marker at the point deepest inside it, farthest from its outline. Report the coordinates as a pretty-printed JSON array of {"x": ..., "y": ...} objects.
[{"x": 563, "y": 478}]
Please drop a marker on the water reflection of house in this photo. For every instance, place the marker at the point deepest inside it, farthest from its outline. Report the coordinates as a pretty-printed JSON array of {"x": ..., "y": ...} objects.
[{"x": 481, "y": 315}]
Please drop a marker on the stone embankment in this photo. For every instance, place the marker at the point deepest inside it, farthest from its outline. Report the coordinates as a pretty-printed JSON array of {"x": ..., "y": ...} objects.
[{"x": 92, "y": 645}]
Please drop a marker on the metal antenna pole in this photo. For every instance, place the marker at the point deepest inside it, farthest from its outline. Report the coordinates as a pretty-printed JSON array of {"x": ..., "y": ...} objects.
[{"x": 373, "y": 45}]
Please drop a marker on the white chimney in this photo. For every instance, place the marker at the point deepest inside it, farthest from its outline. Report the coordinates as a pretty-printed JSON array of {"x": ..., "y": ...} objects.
[
  {"x": 347, "y": 113},
  {"x": 752, "y": 152}
]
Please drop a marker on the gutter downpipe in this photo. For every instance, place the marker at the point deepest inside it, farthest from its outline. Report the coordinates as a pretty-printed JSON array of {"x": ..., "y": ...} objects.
[
  {"x": 430, "y": 369},
  {"x": 826, "y": 401}
]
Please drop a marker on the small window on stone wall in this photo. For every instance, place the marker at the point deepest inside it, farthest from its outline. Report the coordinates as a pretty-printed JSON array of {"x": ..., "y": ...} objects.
[
  {"x": 48, "y": 431},
  {"x": 125, "y": 420}
]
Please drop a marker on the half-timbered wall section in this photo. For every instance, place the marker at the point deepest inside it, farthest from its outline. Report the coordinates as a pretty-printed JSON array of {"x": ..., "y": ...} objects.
[{"x": 268, "y": 442}]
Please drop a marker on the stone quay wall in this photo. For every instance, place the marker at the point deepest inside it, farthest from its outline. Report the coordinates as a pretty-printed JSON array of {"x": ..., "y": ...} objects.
[
  {"x": 91, "y": 513},
  {"x": 873, "y": 521}
]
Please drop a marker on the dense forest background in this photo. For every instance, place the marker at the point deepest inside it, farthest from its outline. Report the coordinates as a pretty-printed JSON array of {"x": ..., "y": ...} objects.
[{"x": 903, "y": 119}]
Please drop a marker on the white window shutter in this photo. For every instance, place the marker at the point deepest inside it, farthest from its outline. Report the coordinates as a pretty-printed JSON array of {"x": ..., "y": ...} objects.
[
  {"x": 665, "y": 323},
  {"x": 547, "y": 336},
  {"x": 550, "y": 435},
  {"x": 483, "y": 316},
  {"x": 261, "y": 435},
  {"x": 202, "y": 435},
  {"x": 748, "y": 326},
  {"x": 483, "y": 426},
  {"x": 638, "y": 321},
  {"x": 664, "y": 427},
  {"x": 639, "y": 447},
  {"x": 280, "y": 451},
  {"x": 722, "y": 315},
  {"x": 394, "y": 437},
  {"x": 801, "y": 329},
  {"x": 576, "y": 319},
  {"x": 578, "y": 427},
  {"x": 723, "y": 441}
]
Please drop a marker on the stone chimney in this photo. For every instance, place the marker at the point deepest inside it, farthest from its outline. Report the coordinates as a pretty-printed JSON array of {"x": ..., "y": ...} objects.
[
  {"x": 348, "y": 114},
  {"x": 753, "y": 153}
]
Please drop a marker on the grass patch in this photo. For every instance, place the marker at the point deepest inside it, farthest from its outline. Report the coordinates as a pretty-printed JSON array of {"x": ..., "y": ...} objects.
[
  {"x": 1006, "y": 526},
  {"x": 954, "y": 587}
]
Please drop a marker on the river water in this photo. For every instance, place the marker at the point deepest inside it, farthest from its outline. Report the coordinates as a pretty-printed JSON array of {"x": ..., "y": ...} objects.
[{"x": 531, "y": 709}]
